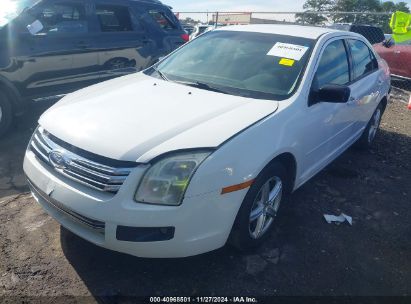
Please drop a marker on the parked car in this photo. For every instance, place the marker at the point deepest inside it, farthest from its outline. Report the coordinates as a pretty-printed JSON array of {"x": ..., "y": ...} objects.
[
  {"x": 188, "y": 28},
  {"x": 56, "y": 47},
  {"x": 398, "y": 57},
  {"x": 200, "y": 149},
  {"x": 200, "y": 29}
]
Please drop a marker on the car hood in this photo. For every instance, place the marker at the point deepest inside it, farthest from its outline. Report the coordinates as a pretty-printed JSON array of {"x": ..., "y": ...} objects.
[{"x": 138, "y": 117}]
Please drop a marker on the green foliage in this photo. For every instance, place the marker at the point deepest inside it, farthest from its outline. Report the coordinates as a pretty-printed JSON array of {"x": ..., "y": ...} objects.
[
  {"x": 402, "y": 7},
  {"x": 339, "y": 12},
  {"x": 315, "y": 6}
]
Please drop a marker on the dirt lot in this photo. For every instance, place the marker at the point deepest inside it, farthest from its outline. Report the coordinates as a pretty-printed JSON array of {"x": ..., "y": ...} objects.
[{"x": 309, "y": 256}]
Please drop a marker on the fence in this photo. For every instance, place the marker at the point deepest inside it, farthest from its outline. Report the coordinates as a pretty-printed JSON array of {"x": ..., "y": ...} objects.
[
  {"x": 380, "y": 19},
  {"x": 341, "y": 20}
]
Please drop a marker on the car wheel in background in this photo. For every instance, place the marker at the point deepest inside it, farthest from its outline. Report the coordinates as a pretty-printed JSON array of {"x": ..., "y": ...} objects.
[
  {"x": 258, "y": 212},
  {"x": 6, "y": 114},
  {"x": 371, "y": 131}
]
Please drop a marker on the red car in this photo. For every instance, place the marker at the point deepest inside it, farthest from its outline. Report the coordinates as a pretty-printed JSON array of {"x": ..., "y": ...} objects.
[{"x": 398, "y": 57}]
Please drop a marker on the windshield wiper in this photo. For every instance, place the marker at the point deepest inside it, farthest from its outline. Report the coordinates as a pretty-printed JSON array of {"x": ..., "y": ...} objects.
[
  {"x": 201, "y": 85},
  {"x": 161, "y": 74},
  {"x": 195, "y": 84}
]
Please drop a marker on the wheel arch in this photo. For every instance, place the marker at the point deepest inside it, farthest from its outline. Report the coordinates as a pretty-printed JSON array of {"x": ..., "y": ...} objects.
[
  {"x": 384, "y": 103},
  {"x": 288, "y": 160},
  {"x": 16, "y": 101}
]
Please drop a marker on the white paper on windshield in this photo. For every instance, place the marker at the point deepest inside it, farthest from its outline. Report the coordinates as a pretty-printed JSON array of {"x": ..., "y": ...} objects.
[
  {"x": 35, "y": 27},
  {"x": 286, "y": 50}
]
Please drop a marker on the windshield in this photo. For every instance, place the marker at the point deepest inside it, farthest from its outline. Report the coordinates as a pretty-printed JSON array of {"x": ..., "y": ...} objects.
[
  {"x": 10, "y": 9},
  {"x": 256, "y": 65}
]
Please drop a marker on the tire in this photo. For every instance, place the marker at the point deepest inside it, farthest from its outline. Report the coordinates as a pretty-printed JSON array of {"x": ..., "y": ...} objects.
[
  {"x": 367, "y": 138},
  {"x": 6, "y": 114},
  {"x": 246, "y": 234}
]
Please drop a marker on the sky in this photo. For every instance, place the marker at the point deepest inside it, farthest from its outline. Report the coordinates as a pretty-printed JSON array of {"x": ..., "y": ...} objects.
[{"x": 240, "y": 5}]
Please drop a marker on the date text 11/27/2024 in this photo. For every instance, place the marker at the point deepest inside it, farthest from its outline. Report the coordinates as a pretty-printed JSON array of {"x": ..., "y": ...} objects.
[{"x": 203, "y": 300}]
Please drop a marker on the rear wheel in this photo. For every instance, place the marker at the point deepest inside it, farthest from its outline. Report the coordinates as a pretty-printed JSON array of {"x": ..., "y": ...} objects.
[
  {"x": 257, "y": 215},
  {"x": 370, "y": 132},
  {"x": 6, "y": 114}
]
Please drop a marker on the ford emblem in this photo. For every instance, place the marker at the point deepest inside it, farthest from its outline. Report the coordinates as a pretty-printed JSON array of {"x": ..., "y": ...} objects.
[{"x": 58, "y": 160}]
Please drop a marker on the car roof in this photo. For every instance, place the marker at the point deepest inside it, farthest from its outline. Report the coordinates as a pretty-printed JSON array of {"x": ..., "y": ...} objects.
[{"x": 303, "y": 31}]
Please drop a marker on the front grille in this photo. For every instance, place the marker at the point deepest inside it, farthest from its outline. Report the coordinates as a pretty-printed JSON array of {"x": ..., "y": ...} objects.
[
  {"x": 94, "y": 171},
  {"x": 57, "y": 206}
]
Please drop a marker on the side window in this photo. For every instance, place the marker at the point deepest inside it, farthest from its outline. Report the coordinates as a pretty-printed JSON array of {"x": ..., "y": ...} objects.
[
  {"x": 162, "y": 20},
  {"x": 363, "y": 59},
  {"x": 113, "y": 18},
  {"x": 63, "y": 17},
  {"x": 333, "y": 67}
]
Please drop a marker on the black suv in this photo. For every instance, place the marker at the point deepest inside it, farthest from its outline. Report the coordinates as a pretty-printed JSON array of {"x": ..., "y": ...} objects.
[{"x": 50, "y": 48}]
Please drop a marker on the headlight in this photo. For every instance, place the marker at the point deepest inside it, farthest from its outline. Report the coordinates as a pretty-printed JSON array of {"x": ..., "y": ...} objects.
[{"x": 166, "y": 181}]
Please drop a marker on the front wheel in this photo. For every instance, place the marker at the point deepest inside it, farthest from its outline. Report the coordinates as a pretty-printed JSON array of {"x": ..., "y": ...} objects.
[
  {"x": 370, "y": 132},
  {"x": 258, "y": 212}
]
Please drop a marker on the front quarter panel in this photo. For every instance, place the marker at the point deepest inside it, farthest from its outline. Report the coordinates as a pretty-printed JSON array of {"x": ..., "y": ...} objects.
[{"x": 240, "y": 160}]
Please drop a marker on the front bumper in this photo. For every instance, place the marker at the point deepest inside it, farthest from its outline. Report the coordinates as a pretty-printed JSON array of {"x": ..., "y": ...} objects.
[{"x": 201, "y": 224}]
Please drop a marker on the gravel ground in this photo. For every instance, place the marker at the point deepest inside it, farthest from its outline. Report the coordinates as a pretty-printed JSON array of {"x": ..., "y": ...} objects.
[{"x": 307, "y": 256}]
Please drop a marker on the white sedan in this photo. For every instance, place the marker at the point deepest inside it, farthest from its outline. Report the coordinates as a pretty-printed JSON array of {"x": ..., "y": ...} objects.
[{"x": 200, "y": 149}]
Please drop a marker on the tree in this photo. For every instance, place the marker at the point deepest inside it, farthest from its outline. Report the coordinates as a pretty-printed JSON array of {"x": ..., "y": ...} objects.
[
  {"x": 362, "y": 6},
  {"x": 388, "y": 7},
  {"x": 314, "y": 6},
  {"x": 351, "y": 11},
  {"x": 402, "y": 7},
  {"x": 341, "y": 6}
]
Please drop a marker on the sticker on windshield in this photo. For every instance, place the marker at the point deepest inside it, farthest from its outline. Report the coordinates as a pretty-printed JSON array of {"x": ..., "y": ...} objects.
[
  {"x": 287, "y": 62},
  {"x": 286, "y": 50}
]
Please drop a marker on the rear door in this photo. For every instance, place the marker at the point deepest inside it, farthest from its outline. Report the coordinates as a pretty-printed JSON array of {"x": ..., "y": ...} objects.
[
  {"x": 366, "y": 85},
  {"x": 123, "y": 44}
]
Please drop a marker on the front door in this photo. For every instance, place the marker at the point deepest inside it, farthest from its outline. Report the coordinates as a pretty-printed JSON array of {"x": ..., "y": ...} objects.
[
  {"x": 328, "y": 126},
  {"x": 56, "y": 58}
]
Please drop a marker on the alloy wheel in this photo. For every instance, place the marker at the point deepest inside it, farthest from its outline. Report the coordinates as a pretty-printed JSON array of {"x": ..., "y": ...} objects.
[{"x": 265, "y": 207}]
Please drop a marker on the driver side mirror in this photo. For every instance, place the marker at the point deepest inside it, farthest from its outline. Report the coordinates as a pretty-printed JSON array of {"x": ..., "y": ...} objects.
[
  {"x": 388, "y": 43},
  {"x": 332, "y": 93}
]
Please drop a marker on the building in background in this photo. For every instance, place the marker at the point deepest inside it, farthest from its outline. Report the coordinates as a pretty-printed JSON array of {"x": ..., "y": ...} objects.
[
  {"x": 249, "y": 18},
  {"x": 232, "y": 18}
]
